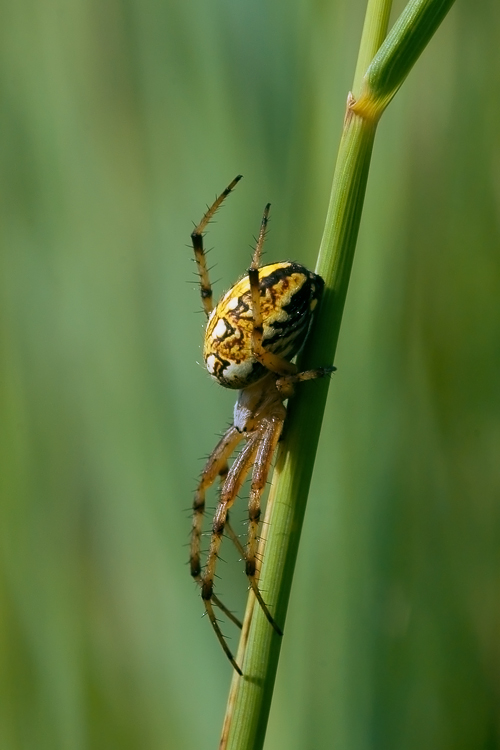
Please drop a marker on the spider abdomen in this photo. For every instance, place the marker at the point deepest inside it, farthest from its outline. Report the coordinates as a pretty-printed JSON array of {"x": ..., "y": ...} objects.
[{"x": 289, "y": 295}]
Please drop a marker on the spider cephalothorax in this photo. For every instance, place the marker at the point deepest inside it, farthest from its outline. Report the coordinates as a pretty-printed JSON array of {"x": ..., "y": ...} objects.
[{"x": 258, "y": 326}]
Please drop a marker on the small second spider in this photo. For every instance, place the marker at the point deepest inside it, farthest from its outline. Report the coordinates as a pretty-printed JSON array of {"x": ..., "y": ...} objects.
[{"x": 254, "y": 331}]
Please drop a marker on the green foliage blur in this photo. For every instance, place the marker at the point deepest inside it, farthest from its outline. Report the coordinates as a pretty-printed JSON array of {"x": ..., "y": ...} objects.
[{"x": 120, "y": 120}]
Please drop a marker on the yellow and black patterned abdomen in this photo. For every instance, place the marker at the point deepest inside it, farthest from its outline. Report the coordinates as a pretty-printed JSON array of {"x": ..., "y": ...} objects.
[{"x": 289, "y": 295}]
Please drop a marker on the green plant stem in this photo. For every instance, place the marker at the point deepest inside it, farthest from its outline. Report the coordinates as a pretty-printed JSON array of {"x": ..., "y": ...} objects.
[
  {"x": 373, "y": 34},
  {"x": 292, "y": 476},
  {"x": 250, "y": 695},
  {"x": 398, "y": 54}
]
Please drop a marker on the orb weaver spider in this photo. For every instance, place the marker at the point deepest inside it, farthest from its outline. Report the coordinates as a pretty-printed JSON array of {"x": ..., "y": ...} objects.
[{"x": 258, "y": 326}]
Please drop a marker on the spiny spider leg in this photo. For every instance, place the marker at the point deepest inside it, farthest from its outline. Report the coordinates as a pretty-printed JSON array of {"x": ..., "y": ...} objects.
[
  {"x": 260, "y": 240},
  {"x": 216, "y": 463},
  {"x": 220, "y": 635},
  {"x": 227, "y": 611},
  {"x": 240, "y": 549},
  {"x": 271, "y": 361},
  {"x": 217, "y": 466},
  {"x": 235, "y": 539},
  {"x": 223, "y": 472},
  {"x": 222, "y": 476},
  {"x": 232, "y": 485},
  {"x": 199, "y": 252},
  {"x": 270, "y": 436},
  {"x": 287, "y": 380}
]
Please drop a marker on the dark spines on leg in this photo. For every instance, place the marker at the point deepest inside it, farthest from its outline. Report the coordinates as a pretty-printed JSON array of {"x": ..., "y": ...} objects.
[
  {"x": 253, "y": 275},
  {"x": 207, "y": 589},
  {"x": 255, "y": 515},
  {"x": 218, "y": 527},
  {"x": 197, "y": 239},
  {"x": 231, "y": 187},
  {"x": 195, "y": 567},
  {"x": 199, "y": 504},
  {"x": 250, "y": 567}
]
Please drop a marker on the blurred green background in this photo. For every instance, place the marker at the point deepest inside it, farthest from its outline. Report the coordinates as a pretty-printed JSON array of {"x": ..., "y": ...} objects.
[{"x": 120, "y": 120}]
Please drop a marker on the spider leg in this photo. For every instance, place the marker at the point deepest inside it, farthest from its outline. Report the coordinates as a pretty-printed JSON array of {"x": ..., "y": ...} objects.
[
  {"x": 227, "y": 611},
  {"x": 220, "y": 635},
  {"x": 199, "y": 252},
  {"x": 215, "y": 464},
  {"x": 286, "y": 381},
  {"x": 270, "y": 361},
  {"x": 260, "y": 240},
  {"x": 267, "y": 446},
  {"x": 235, "y": 539},
  {"x": 223, "y": 472},
  {"x": 232, "y": 485}
]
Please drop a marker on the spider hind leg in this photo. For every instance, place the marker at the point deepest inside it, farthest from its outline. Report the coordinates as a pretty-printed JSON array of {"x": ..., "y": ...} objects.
[
  {"x": 220, "y": 635},
  {"x": 232, "y": 485},
  {"x": 227, "y": 611},
  {"x": 270, "y": 436},
  {"x": 216, "y": 465}
]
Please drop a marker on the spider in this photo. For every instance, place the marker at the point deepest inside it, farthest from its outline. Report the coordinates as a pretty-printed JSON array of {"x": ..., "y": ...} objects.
[{"x": 258, "y": 326}]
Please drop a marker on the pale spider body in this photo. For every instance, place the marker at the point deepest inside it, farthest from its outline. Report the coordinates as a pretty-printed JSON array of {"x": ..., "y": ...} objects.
[
  {"x": 254, "y": 331},
  {"x": 289, "y": 294}
]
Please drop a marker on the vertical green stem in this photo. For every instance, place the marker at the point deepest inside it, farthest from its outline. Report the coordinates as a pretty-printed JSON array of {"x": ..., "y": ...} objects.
[{"x": 249, "y": 711}]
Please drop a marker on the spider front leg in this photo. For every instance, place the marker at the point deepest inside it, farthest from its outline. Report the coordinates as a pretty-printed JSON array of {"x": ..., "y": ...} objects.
[
  {"x": 199, "y": 251},
  {"x": 270, "y": 361}
]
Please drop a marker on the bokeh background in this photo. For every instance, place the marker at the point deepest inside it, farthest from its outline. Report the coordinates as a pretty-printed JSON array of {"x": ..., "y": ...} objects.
[{"x": 120, "y": 120}]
